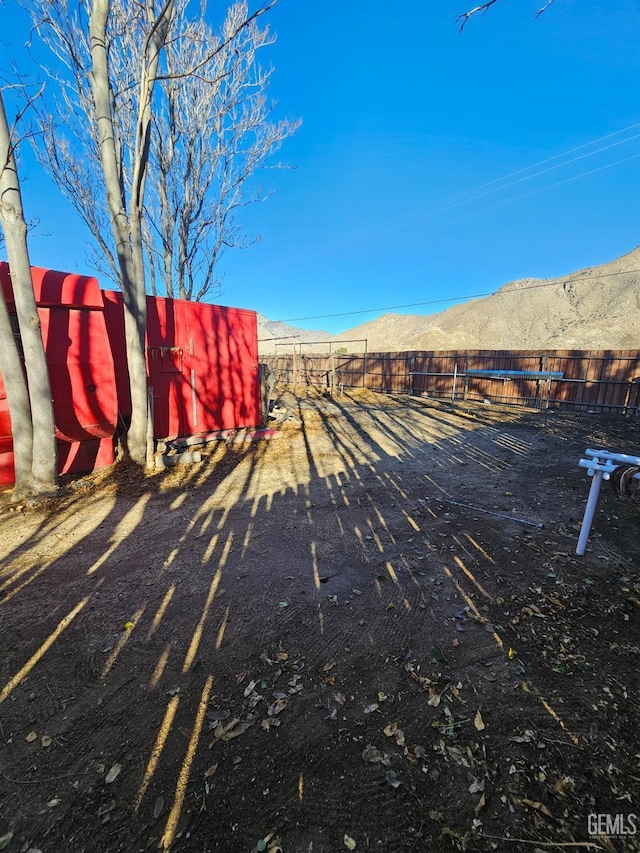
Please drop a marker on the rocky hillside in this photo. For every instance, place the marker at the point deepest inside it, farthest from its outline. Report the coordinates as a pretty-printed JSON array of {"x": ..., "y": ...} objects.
[
  {"x": 594, "y": 308},
  {"x": 271, "y": 332}
]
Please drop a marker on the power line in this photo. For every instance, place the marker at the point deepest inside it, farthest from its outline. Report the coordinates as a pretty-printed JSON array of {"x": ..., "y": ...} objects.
[
  {"x": 542, "y": 189},
  {"x": 454, "y": 298},
  {"x": 542, "y": 163},
  {"x": 475, "y": 192},
  {"x": 426, "y": 212}
]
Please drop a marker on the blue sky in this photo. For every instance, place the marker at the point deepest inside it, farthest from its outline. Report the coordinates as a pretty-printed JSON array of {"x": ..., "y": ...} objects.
[{"x": 411, "y": 134}]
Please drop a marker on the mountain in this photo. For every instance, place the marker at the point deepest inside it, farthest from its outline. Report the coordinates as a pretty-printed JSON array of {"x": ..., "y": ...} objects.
[
  {"x": 594, "y": 308},
  {"x": 272, "y": 332}
]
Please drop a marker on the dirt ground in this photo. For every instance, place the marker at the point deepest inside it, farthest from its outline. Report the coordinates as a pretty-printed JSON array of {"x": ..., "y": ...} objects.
[{"x": 321, "y": 643}]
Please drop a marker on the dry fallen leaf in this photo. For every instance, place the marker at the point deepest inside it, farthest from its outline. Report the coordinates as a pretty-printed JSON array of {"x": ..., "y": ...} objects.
[
  {"x": 562, "y": 785},
  {"x": 413, "y": 753},
  {"x": 277, "y": 706},
  {"x": 476, "y": 785},
  {"x": 434, "y": 699},
  {"x": 479, "y": 722},
  {"x": 237, "y": 730},
  {"x": 105, "y": 808},
  {"x": 113, "y": 774},
  {"x": 248, "y": 690},
  {"x": 221, "y": 729},
  {"x": 392, "y": 779},
  {"x": 373, "y": 755},
  {"x": 158, "y": 807},
  {"x": 540, "y": 807}
]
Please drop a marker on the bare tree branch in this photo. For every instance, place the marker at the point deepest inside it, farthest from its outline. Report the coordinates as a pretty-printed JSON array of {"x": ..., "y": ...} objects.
[
  {"x": 543, "y": 9},
  {"x": 14, "y": 139},
  {"x": 464, "y": 17},
  {"x": 211, "y": 139},
  {"x": 483, "y": 7},
  {"x": 229, "y": 37}
]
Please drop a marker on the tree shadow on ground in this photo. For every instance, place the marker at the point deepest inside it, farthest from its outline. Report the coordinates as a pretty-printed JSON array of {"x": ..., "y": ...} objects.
[{"x": 305, "y": 639}]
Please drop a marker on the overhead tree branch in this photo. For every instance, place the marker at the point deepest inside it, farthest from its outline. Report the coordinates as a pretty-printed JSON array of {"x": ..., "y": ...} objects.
[
  {"x": 483, "y": 7},
  {"x": 228, "y": 39},
  {"x": 543, "y": 9}
]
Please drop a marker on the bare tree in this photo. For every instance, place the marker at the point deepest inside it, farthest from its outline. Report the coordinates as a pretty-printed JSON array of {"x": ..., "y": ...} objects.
[
  {"x": 111, "y": 52},
  {"x": 483, "y": 7},
  {"x": 101, "y": 163},
  {"x": 212, "y": 139},
  {"x": 30, "y": 403}
]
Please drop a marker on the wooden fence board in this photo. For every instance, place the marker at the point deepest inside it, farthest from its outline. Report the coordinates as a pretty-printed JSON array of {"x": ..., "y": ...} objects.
[{"x": 596, "y": 380}]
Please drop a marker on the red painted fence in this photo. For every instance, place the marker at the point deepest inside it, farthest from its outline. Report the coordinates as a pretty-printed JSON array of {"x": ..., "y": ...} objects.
[{"x": 202, "y": 365}]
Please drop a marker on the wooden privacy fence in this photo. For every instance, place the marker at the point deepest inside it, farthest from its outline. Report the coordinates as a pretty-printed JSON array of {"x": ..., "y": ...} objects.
[{"x": 594, "y": 380}]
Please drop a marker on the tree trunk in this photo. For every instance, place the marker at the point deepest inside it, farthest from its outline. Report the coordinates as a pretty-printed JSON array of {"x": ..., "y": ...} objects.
[
  {"x": 127, "y": 226},
  {"x": 155, "y": 41},
  {"x": 133, "y": 291},
  {"x": 44, "y": 466},
  {"x": 135, "y": 332},
  {"x": 15, "y": 386}
]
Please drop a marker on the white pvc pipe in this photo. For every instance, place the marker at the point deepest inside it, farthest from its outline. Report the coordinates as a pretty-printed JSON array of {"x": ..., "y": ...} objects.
[
  {"x": 601, "y": 466},
  {"x": 587, "y": 519},
  {"x": 620, "y": 458}
]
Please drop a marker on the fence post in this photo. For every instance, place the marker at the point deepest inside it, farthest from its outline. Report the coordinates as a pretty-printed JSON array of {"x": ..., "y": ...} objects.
[
  {"x": 542, "y": 383},
  {"x": 332, "y": 373},
  {"x": 466, "y": 378},
  {"x": 364, "y": 367},
  {"x": 294, "y": 368}
]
